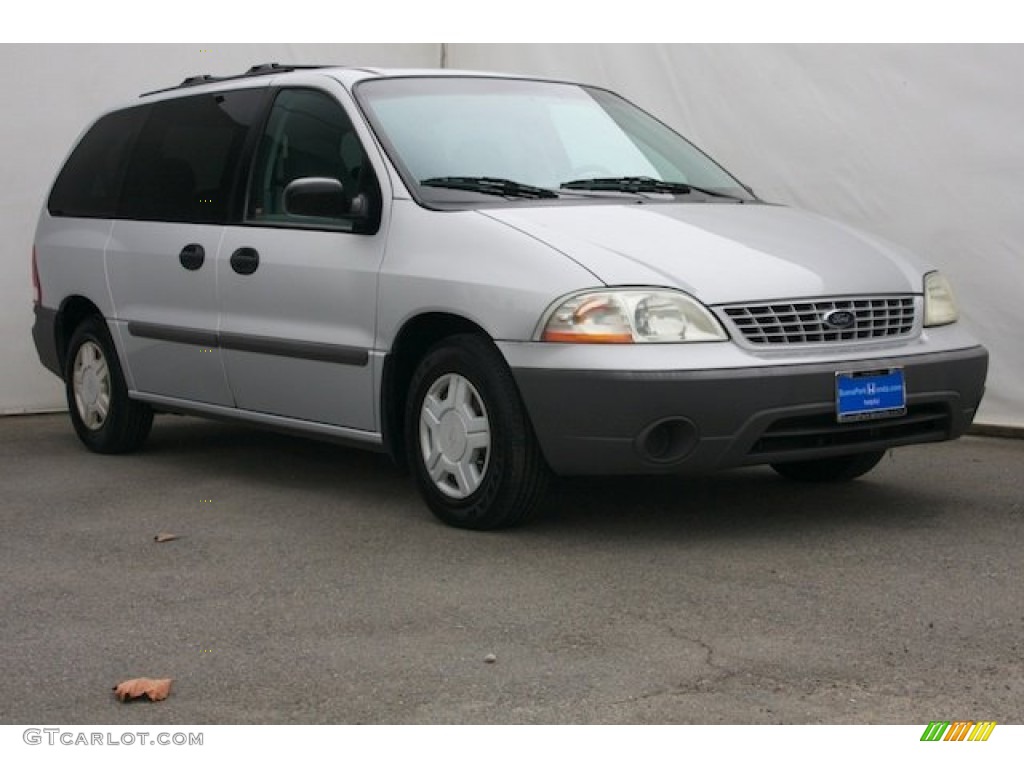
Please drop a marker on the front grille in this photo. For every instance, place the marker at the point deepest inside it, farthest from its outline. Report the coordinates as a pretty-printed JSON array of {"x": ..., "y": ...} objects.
[
  {"x": 802, "y": 322},
  {"x": 922, "y": 422}
]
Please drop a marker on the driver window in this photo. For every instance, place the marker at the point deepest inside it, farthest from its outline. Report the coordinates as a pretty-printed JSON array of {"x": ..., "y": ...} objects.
[{"x": 307, "y": 136}]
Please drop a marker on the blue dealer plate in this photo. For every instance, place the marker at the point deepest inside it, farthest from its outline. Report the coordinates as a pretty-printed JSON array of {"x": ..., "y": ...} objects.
[{"x": 870, "y": 395}]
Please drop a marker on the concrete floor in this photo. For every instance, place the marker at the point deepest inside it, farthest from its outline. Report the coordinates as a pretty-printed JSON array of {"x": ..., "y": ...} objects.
[{"x": 310, "y": 585}]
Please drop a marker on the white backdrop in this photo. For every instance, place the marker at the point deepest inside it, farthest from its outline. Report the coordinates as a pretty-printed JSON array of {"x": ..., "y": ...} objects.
[{"x": 921, "y": 144}]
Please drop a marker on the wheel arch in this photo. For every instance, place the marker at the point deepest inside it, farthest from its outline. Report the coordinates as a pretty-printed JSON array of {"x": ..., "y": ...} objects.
[
  {"x": 415, "y": 337},
  {"x": 73, "y": 310}
]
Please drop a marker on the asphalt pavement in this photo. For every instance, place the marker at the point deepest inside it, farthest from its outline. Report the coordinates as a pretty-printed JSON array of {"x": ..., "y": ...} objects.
[{"x": 309, "y": 584}]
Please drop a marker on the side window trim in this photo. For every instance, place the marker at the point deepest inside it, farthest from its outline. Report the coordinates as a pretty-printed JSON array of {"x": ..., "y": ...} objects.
[{"x": 239, "y": 201}]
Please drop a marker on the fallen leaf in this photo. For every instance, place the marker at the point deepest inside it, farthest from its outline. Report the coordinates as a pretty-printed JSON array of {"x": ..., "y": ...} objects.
[
  {"x": 163, "y": 536},
  {"x": 157, "y": 690}
]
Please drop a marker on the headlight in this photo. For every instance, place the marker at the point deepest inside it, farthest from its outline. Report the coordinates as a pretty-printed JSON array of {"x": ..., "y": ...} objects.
[
  {"x": 629, "y": 316},
  {"x": 939, "y": 302}
]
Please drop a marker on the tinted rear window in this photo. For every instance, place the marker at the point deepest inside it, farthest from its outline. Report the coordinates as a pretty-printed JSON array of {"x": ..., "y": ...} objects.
[
  {"x": 185, "y": 163},
  {"x": 90, "y": 182}
]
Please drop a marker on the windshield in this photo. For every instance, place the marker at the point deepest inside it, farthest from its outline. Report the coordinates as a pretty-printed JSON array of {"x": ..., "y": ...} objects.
[{"x": 453, "y": 132}]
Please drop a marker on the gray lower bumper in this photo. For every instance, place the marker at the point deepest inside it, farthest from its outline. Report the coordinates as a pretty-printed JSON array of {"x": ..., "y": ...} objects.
[{"x": 641, "y": 422}]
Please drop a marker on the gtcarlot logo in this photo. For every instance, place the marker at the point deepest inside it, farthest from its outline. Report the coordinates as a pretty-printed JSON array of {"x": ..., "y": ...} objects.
[{"x": 67, "y": 738}]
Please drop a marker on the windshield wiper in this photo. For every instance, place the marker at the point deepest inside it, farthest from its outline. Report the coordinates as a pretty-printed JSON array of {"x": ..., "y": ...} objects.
[
  {"x": 489, "y": 186},
  {"x": 642, "y": 184}
]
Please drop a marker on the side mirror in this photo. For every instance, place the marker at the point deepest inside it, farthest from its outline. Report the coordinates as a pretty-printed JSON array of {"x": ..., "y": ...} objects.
[{"x": 316, "y": 196}]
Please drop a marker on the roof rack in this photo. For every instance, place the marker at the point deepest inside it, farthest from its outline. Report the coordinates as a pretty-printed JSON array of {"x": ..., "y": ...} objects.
[{"x": 271, "y": 68}]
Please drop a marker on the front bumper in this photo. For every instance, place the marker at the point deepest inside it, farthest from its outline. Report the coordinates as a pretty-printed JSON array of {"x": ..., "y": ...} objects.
[{"x": 591, "y": 422}]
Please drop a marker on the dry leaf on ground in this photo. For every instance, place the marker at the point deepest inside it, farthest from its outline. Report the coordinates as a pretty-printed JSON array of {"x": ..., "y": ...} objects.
[
  {"x": 157, "y": 690},
  {"x": 163, "y": 536}
]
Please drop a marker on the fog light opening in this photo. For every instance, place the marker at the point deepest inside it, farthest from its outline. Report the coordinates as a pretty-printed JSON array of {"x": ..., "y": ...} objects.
[{"x": 667, "y": 441}]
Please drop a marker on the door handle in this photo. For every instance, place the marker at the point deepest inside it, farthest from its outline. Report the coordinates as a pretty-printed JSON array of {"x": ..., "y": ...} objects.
[
  {"x": 192, "y": 256},
  {"x": 245, "y": 260}
]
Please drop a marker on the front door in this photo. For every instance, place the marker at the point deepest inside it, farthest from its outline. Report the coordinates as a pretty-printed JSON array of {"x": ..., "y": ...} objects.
[{"x": 298, "y": 292}]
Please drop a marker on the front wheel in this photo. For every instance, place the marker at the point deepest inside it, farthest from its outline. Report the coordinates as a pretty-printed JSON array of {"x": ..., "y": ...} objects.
[
  {"x": 835, "y": 469},
  {"x": 103, "y": 415},
  {"x": 474, "y": 455}
]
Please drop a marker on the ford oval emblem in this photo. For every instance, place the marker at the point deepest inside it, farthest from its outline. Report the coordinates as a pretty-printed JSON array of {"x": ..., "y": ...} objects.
[{"x": 840, "y": 319}]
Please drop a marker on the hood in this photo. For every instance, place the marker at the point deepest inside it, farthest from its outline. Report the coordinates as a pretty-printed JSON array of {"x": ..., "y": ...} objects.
[{"x": 720, "y": 253}]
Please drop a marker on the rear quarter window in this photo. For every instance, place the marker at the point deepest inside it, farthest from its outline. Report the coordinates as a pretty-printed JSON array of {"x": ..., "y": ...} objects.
[{"x": 89, "y": 184}]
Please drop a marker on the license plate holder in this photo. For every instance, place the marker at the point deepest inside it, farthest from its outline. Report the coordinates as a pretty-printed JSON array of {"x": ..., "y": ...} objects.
[{"x": 869, "y": 395}]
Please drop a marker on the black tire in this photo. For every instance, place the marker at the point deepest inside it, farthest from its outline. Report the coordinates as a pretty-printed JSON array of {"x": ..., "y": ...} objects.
[
  {"x": 105, "y": 418},
  {"x": 509, "y": 476},
  {"x": 834, "y": 470}
]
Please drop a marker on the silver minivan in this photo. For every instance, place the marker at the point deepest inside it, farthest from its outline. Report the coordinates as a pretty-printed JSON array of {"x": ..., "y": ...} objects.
[{"x": 492, "y": 278}]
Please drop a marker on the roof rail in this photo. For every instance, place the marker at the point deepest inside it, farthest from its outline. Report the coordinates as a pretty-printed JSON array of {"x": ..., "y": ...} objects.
[
  {"x": 198, "y": 80},
  {"x": 266, "y": 69},
  {"x": 270, "y": 68}
]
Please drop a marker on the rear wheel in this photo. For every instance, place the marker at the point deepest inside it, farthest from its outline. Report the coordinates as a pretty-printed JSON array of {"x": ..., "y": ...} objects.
[
  {"x": 103, "y": 415},
  {"x": 835, "y": 469},
  {"x": 474, "y": 456}
]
